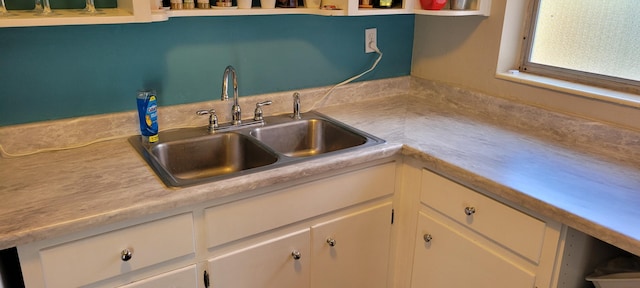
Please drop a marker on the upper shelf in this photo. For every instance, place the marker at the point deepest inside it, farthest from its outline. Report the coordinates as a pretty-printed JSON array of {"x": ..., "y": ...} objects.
[
  {"x": 252, "y": 11},
  {"x": 478, "y": 8},
  {"x": 133, "y": 11},
  {"x": 128, "y": 11},
  {"x": 66, "y": 17}
]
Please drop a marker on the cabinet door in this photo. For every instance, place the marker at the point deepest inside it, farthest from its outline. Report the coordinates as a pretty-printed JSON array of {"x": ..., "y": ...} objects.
[
  {"x": 352, "y": 251},
  {"x": 448, "y": 258},
  {"x": 181, "y": 278},
  {"x": 270, "y": 264}
]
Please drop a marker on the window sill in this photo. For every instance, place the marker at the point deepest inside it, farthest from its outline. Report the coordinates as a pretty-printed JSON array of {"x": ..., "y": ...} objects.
[{"x": 602, "y": 94}]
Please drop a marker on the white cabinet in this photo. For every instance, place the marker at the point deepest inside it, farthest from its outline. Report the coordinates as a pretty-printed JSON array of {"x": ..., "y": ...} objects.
[
  {"x": 282, "y": 262},
  {"x": 343, "y": 240},
  {"x": 353, "y": 250},
  {"x": 107, "y": 255},
  {"x": 251, "y": 216},
  {"x": 445, "y": 257},
  {"x": 263, "y": 239},
  {"x": 466, "y": 239},
  {"x": 513, "y": 229},
  {"x": 348, "y": 251}
]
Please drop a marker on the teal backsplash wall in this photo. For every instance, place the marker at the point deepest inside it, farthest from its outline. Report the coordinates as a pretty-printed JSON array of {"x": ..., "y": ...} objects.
[{"x": 68, "y": 71}]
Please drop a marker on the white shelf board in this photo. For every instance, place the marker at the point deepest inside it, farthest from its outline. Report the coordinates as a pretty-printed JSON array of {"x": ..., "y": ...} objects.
[
  {"x": 159, "y": 16},
  {"x": 26, "y": 18},
  {"x": 449, "y": 12},
  {"x": 381, "y": 11},
  {"x": 252, "y": 11}
]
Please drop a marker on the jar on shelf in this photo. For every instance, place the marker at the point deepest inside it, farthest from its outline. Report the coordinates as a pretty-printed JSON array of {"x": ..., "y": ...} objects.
[
  {"x": 460, "y": 4},
  {"x": 176, "y": 5},
  {"x": 188, "y": 4},
  {"x": 204, "y": 4}
]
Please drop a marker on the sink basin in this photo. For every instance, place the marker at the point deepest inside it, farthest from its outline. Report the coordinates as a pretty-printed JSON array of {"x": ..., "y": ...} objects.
[
  {"x": 305, "y": 138},
  {"x": 189, "y": 161},
  {"x": 191, "y": 156},
  {"x": 211, "y": 156}
]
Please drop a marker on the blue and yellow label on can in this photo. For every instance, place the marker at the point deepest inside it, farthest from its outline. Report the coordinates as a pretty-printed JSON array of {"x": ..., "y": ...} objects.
[{"x": 148, "y": 114}]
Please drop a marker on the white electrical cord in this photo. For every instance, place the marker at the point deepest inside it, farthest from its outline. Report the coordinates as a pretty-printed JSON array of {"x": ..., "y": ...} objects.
[
  {"x": 373, "y": 46},
  {"x": 5, "y": 154}
]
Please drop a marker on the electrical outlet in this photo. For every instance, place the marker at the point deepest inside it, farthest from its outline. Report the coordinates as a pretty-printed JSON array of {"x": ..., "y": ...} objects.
[{"x": 370, "y": 40}]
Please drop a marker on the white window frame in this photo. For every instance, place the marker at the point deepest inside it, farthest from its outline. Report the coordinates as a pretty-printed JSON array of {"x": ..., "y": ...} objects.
[
  {"x": 516, "y": 18},
  {"x": 615, "y": 83}
]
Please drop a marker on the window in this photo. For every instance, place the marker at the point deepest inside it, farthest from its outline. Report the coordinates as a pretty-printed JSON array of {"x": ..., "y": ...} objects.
[{"x": 588, "y": 41}]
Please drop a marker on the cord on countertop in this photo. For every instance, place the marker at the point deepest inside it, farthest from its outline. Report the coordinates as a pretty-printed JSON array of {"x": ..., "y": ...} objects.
[{"x": 5, "y": 154}]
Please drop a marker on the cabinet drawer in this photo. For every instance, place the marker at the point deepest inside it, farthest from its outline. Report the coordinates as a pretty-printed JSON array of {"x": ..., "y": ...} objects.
[
  {"x": 98, "y": 257},
  {"x": 243, "y": 218},
  {"x": 511, "y": 228}
]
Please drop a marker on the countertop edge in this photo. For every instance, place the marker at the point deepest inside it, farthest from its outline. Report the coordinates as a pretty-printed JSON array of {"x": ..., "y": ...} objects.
[{"x": 205, "y": 192}]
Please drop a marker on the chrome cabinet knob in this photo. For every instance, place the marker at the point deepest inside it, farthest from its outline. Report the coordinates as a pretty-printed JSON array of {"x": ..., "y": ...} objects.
[
  {"x": 469, "y": 211},
  {"x": 331, "y": 242},
  {"x": 296, "y": 255},
  {"x": 126, "y": 255},
  {"x": 427, "y": 238}
]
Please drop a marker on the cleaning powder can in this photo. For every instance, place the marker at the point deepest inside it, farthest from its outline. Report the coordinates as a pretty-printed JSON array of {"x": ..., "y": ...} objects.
[{"x": 148, "y": 114}]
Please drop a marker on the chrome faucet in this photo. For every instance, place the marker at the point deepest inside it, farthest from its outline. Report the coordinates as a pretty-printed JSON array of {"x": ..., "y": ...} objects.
[
  {"x": 235, "y": 109},
  {"x": 236, "y": 116},
  {"x": 296, "y": 106}
]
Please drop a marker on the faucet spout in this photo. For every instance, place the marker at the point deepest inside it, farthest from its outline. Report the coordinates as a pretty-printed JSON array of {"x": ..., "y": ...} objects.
[{"x": 235, "y": 109}]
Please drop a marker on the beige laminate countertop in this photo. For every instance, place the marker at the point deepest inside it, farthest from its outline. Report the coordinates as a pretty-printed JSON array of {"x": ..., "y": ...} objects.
[{"x": 580, "y": 181}]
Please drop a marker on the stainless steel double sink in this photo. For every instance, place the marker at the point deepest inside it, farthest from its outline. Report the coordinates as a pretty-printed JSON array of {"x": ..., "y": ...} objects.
[{"x": 192, "y": 156}]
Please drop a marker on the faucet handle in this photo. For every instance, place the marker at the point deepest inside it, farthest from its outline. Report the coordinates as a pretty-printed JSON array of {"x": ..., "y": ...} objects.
[
  {"x": 257, "y": 114},
  {"x": 213, "y": 118}
]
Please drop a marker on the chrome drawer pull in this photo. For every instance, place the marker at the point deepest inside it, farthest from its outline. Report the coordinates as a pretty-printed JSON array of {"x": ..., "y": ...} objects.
[
  {"x": 296, "y": 255},
  {"x": 427, "y": 238},
  {"x": 126, "y": 255},
  {"x": 331, "y": 242},
  {"x": 469, "y": 211}
]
